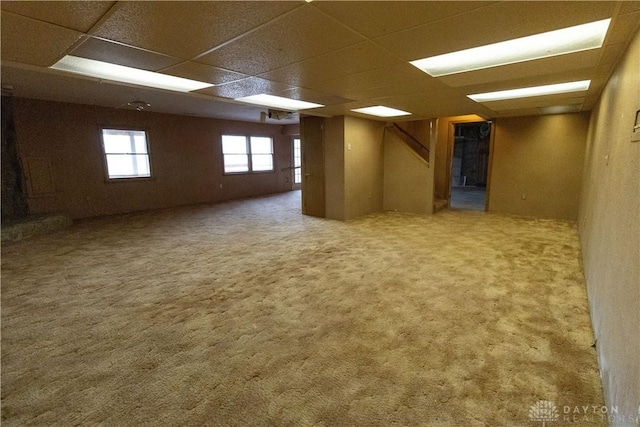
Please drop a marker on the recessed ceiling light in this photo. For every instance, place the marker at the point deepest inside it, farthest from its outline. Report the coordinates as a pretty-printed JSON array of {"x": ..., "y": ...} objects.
[
  {"x": 526, "y": 92},
  {"x": 543, "y": 45},
  {"x": 120, "y": 73},
  {"x": 381, "y": 111},
  {"x": 560, "y": 109},
  {"x": 278, "y": 102}
]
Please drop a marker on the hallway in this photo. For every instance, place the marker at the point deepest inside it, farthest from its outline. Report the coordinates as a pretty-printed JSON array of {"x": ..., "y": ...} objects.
[{"x": 468, "y": 198}]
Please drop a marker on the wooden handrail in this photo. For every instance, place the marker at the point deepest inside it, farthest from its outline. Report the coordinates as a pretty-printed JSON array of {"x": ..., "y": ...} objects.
[{"x": 410, "y": 140}]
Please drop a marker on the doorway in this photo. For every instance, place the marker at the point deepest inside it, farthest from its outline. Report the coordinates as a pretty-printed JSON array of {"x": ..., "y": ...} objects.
[
  {"x": 469, "y": 165},
  {"x": 296, "y": 161}
]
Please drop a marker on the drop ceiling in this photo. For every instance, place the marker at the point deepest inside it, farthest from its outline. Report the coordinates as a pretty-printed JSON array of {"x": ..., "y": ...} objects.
[{"x": 341, "y": 54}]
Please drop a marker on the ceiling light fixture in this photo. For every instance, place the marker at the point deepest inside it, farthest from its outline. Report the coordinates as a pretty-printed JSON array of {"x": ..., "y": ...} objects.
[
  {"x": 278, "y": 102},
  {"x": 544, "y": 45},
  {"x": 381, "y": 111},
  {"x": 527, "y": 92},
  {"x": 138, "y": 105},
  {"x": 120, "y": 73}
]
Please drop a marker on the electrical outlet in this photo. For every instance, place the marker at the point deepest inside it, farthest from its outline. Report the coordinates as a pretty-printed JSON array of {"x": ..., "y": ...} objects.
[{"x": 524, "y": 196}]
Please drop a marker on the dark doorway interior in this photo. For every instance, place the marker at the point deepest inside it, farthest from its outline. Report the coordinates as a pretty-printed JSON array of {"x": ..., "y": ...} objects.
[{"x": 469, "y": 165}]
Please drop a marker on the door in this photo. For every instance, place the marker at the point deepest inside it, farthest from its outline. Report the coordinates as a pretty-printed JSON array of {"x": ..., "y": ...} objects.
[
  {"x": 312, "y": 147},
  {"x": 296, "y": 162}
]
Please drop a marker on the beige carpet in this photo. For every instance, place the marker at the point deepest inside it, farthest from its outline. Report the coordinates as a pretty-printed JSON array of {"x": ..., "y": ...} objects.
[{"x": 250, "y": 314}]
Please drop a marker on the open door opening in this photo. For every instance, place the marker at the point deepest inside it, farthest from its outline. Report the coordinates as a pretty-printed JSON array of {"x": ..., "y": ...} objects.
[
  {"x": 296, "y": 161},
  {"x": 469, "y": 165}
]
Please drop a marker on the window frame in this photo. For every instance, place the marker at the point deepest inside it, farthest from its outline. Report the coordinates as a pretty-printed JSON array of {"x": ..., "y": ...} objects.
[
  {"x": 295, "y": 167},
  {"x": 249, "y": 154},
  {"x": 108, "y": 177}
]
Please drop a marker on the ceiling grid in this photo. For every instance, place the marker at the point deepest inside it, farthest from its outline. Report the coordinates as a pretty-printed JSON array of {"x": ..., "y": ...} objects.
[{"x": 343, "y": 55}]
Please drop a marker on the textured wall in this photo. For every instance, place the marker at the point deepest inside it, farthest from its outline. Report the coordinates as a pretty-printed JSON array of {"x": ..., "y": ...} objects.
[
  {"x": 540, "y": 157},
  {"x": 364, "y": 164},
  {"x": 609, "y": 224},
  {"x": 334, "y": 167},
  {"x": 408, "y": 179},
  {"x": 186, "y": 159},
  {"x": 366, "y": 173}
]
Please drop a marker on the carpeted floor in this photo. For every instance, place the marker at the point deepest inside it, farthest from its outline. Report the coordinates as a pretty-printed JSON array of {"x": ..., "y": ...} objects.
[{"x": 250, "y": 314}]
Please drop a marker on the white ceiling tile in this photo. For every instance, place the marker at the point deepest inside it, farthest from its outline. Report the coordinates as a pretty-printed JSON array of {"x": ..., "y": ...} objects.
[
  {"x": 378, "y": 18},
  {"x": 426, "y": 105},
  {"x": 518, "y": 112},
  {"x": 186, "y": 29},
  {"x": 621, "y": 27},
  {"x": 75, "y": 15},
  {"x": 495, "y": 23},
  {"x": 204, "y": 73},
  {"x": 535, "y": 102},
  {"x": 381, "y": 77},
  {"x": 531, "y": 71},
  {"x": 301, "y": 34},
  {"x": 246, "y": 87},
  {"x": 629, "y": 7},
  {"x": 341, "y": 54},
  {"x": 611, "y": 53},
  {"x": 352, "y": 59},
  {"x": 29, "y": 41},
  {"x": 313, "y": 96},
  {"x": 116, "y": 53}
]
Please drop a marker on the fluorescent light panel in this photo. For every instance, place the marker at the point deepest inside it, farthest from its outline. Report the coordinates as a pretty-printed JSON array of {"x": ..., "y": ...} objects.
[
  {"x": 381, "y": 111},
  {"x": 543, "y": 45},
  {"x": 278, "y": 102},
  {"x": 527, "y": 92},
  {"x": 120, "y": 73}
]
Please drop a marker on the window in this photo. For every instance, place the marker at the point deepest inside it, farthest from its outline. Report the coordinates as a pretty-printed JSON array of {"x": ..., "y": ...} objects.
[
  {"x": 247, "y": 153},
  {"x": 236, "y": 154},
  {"x": 126, "y": 153},
  {"x": 297, "y": 161}
]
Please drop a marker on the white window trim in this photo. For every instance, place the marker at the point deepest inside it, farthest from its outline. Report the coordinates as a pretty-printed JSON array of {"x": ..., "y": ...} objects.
[
  {"x": 249, "y": 154},
  {"x": 293, "y": 160},
  {"x": 104, "y": 155}
]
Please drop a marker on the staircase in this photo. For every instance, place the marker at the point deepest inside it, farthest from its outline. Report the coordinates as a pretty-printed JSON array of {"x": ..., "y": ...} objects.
[
  {"x": 418, "y": 147},
  {"x": 439, "y": 204}
]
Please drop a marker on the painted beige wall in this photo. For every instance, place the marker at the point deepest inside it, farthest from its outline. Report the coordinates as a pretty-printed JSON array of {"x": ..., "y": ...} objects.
[
  {"x": 365, "y": 174},
  {"x": 408, "y": 179},
  {"x": 364, "y": 165},
  {"x": 540, "y": 157},
  {"x": 334, "y": 149},
  {"x": 186, "y": 159},
  {"x": 609, "y": 226}
]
